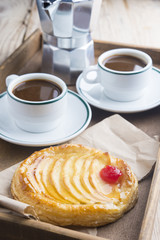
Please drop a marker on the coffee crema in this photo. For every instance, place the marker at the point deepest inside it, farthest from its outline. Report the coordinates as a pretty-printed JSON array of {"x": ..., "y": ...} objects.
[
  {"x": 124, "y": 63},
  {"x": 37, "y": 90}
]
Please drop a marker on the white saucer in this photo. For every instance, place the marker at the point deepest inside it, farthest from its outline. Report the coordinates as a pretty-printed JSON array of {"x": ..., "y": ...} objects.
[
  {"x": 93, "y": 94},
  {"x": 77, "y": 119}
]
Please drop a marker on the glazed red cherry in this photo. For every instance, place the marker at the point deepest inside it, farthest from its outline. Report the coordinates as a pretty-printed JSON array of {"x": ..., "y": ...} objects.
[{"x": 110, "y": 174}]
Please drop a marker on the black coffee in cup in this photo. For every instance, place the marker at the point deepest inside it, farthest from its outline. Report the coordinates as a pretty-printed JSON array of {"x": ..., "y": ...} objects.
[
  {"x": 124, "y": 63},
  {"x": 37, "y": 90}
]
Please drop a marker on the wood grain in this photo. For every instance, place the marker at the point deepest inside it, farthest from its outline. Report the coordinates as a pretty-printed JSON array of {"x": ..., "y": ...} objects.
[
  {"x": 20, "y": 57},
  {"x": 129, "y": 22},
  {"x": 120, "y": 21},
  {"x": 156, "y": 232},
  {"x": 15, "y": 26},
  {"x": 150, "y": 212}
]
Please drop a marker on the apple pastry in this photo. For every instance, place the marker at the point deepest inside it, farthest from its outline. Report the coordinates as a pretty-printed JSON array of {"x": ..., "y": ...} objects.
[{"x": 76, "y": 185}]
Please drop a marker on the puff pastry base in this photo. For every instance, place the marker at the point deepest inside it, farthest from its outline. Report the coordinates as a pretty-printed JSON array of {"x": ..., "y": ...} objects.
[{"x": 64, "y": 186}]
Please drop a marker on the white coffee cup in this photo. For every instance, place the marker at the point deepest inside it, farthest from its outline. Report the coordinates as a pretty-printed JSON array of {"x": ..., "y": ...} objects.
[
  {"x": 121, "y": 85},
  {"x": 36, "y": 116}
]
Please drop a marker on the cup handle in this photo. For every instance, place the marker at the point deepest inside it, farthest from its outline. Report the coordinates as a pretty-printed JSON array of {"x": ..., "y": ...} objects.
[
  {"x": 10, "y": 78},
  {"x": 90, "y": 74}
]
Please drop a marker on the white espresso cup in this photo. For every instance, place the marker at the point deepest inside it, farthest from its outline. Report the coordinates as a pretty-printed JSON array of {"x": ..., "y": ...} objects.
[
  {"x": 36, "y": 116},
  {"x": 121, "y": 85}
]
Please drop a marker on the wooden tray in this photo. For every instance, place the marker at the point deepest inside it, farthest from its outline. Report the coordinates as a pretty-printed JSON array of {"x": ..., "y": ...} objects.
[{"x": 25, "y": 59}]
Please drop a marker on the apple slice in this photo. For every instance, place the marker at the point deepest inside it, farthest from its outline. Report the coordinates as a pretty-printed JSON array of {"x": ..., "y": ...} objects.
[
  {"x": 67, "y": 176},
  {"x": 58, "y": 181}
]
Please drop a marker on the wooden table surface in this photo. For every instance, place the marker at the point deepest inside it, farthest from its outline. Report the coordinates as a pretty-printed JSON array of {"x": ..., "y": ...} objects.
[{"x": 124, "y": 21}]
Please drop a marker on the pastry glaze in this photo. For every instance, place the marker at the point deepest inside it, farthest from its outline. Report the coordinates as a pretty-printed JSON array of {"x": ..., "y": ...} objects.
[{"x": 64, "y": 186}]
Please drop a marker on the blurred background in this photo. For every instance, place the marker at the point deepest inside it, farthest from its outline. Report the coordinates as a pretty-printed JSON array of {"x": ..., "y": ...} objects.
[{"x": 135, "y": 22}]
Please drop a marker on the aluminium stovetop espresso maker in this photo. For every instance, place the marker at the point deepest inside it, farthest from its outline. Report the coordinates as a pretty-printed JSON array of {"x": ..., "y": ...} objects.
[{"x": 67, "y": 43}]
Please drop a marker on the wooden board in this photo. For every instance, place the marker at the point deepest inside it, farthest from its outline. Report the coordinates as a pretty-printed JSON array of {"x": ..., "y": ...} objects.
[
  {"x": 27, "y": 58},
  {"x": 129, "y": 22},
  {"x": 124, "y": 21},
  {"x": 16, "y": 24}
]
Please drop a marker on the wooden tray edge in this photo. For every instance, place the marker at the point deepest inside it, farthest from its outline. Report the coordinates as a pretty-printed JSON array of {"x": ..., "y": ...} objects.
[
  {"x": 152, "y": 203},
  {"x": 20, "y": 57},
  {"x": 34, "y": 43},
  {"x": 47, "y": 231},
  {"x": 153, "y": 52}
]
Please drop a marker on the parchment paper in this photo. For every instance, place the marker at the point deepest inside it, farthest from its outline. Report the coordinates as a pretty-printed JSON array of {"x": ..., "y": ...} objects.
[{"x": 121, "y": 139}]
